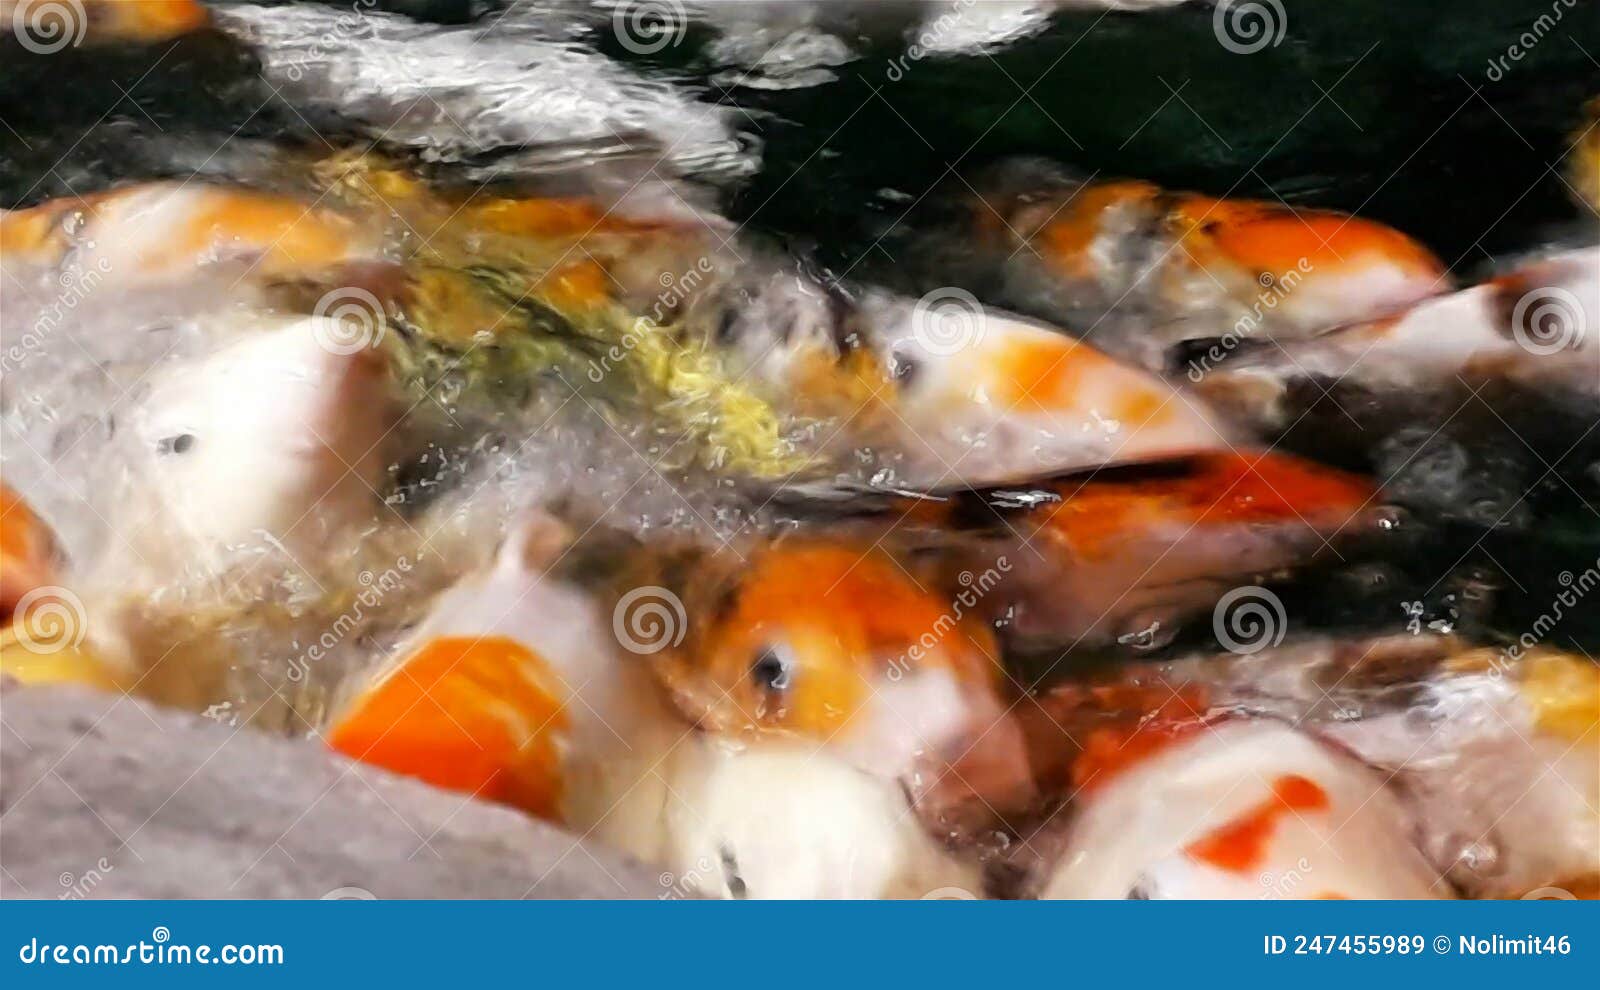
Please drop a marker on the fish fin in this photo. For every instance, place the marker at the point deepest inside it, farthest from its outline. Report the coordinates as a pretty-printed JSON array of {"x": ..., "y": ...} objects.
[{"x": 478, "y": 715}]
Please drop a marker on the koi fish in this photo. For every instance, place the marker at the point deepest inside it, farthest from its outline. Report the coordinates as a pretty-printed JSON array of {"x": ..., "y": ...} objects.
[
  {"x": 518, "y": 688},
  {"x": 163, "y": 232},
  {"x": 957, "y": 391},
  {"x": 837, "y": 643},
  {"x": 1126, "y": 553},
  {"x": 1183, "y": 265},
  {"x": 1234, "y": 810},
  {"x": 1529, "y": 328},
  {"x": 100, "y": 22},
  {"x": 42, "y": 625},
  {"x": 275, "y": 437},
  {"x": 27, "y": 550},
  {"x": 1481, "y": 762}
]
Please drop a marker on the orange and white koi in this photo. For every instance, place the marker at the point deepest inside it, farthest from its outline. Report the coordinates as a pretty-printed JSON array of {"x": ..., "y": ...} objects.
[
  {"x": 1491, "y": 757},
  {"x": 518, "y": 689},
  {"x": 1127, "y": 553},
  {"x": 1532, "y": 326},
  {"x": 837, "y": 643},
  {"x": 1188, "y": 266},
  {"x": 961, "y": 392},
  {"x": 1238, "y": 809},
  {"x": 161, "y": 232}
]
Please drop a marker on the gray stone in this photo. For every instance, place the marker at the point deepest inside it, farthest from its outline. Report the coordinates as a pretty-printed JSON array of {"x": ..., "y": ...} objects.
[{"x": 105, "y": 796}]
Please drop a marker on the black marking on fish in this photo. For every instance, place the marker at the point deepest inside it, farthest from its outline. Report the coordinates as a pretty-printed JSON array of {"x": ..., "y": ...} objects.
[{"x": 730, "y": 873}]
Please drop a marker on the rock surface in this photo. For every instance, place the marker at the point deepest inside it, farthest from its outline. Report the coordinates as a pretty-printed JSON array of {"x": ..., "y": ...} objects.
[{"x": 104, "y": 796}]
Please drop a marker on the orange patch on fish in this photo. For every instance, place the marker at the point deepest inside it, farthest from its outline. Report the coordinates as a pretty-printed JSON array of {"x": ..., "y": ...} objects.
[
  {"x": 1240, "y": 845},
  {"x": 479, "y": 716},
  {"x": 1065, "y": 239},
  {"x": 1271, "y": 239},
  {"x": 148, "y": 20},
  {"x": 1096, "y": 517},
  {"x": 287, "y": 234},
  {"x": 554, "y": 218},
  {"x": 37, "y": 234},
  {"x": 576, "y": 285},
  {"x": 27, "y": 551},
  {"x": 1053, "y": 374},
  {"x": 1111, "y": 750},
  {"x": 845, "y": 615}
]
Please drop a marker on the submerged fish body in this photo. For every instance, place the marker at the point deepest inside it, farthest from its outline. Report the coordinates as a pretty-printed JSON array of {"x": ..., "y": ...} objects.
[
  {"x": 1482, "y": 767},
  {"x": 1240, "y": 810},
  {"x": 54, "y": 26},
  {"x": 1529, "y": 328},
  {"x": 165, "y": 232},
  {"x": 1138, "y": 269},
  {"x": 1126, "y": 555},
  {"x": 959, "y": 392}
]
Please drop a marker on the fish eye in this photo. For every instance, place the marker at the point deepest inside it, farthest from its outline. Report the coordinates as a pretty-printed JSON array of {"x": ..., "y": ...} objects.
[
  {"x": 902, "y": 368},
  {"x": 770, "y": 671},
  {"x": 179, "y": 444}
]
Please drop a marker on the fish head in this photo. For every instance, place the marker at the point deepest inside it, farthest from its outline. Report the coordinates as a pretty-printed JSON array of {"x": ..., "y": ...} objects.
[
  {"x": 833, "y": 642},
  {"x": 992, "y": 397},
  {"x": 1310, "y": 269},
  {"x": 276, "y": 434}
]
